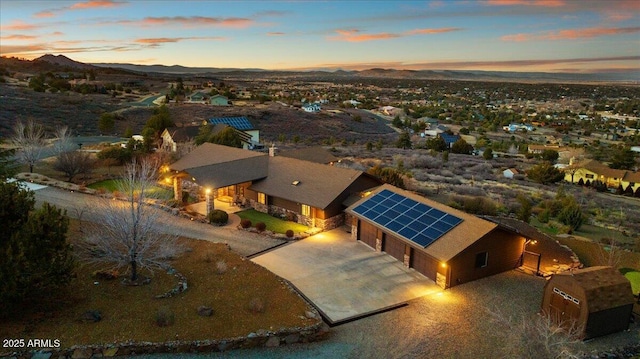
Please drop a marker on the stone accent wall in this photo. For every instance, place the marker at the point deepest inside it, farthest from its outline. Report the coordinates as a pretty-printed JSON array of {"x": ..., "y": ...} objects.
[
  {"x": 378, "y": 245},
  {"x": 285, "y": 214},
  {"x": 177, "y": 189},
  {"x": 406, "y": 260},
  {"x": 354, "y": 230}
]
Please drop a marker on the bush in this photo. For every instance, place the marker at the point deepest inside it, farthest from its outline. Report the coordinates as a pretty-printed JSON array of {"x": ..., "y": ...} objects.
[
  {"x": 221, "y": 267},
  {"x": 260, "y": 226},
  {"x": 256, "y": 305},
  {"x": 218, "y": 216},
  {"x": 245, "y": 223},
  {"x": 289, "y": 233},
  {"x": 165, "y": 317}
]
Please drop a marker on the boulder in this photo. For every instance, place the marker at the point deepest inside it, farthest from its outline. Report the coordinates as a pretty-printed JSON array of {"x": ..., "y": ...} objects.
[{"x": 272, "y": 342}]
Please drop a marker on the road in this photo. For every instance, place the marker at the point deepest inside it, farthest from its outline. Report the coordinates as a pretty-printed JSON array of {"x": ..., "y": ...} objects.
[{"x": 79, "y": 205}]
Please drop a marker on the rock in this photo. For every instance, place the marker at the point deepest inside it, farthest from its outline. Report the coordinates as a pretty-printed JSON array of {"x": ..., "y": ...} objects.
[
  {"x": 309, "y": 314},
  {"x": 41, "y": 355},
  {"x": 292, "y": 338},
  {"x": 252, "y": 335},
  {"x": 205, "y": 311},
  {"x": 82, "y": 353},
  {"x": 272, "y": 342},
  {"x": 92, "y": 316},
  {"x": 109, "y": 352}
]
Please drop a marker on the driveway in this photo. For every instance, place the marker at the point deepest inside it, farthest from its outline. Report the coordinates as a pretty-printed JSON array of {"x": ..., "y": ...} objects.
[{"x": 343, "y": 278}]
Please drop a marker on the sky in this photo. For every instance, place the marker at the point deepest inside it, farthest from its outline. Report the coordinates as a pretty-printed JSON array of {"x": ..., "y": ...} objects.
[{"x": 493, "y": 35}]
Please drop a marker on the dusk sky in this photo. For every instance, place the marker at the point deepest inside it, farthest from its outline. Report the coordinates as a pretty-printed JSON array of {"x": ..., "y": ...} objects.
[{"x": 495, "y": 35}]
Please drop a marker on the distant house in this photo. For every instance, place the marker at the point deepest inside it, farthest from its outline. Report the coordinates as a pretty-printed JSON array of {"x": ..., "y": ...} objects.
[
  {"x": 449, "y": 139},
  {"x": 514, "y": 127},
  {"x": 178, "y": 139},
  {"x": 588, "y": 172},
  {"x": 240, "y": 123},
  {"x": 510, "y": 172},
  {"x": 538, "y": 149},
  {"x": 197, "y": 97},
  {"x": 311, "y": 107},
  {"x": 219, "y": 100}
]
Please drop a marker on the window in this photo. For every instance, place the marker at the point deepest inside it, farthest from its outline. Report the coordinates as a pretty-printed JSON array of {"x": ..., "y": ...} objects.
[
  {"x": 306, "y": 210},
  {"x": 482, "y": 259},
  {"x": 262, "y": 198},
  {"x": 590, "y": 176}
]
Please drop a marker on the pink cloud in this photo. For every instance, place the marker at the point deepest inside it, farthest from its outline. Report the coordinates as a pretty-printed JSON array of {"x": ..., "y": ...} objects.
[
  {"x": 92, "y": 4},
  {"x": 355, "y": 35},
  {"x": 19, "y": 25},
  {"x": 164, "y": 40},
  {"x": 18, "y": 37},
  {"x": 275, "y": 33},
  {"x": 44, "y": 14},
  {"x": 432, "y": 31},
  {"x": 192, "y": 21},
  {"x": 540, "y": 3},
  {"x": 571, "y": 34}
]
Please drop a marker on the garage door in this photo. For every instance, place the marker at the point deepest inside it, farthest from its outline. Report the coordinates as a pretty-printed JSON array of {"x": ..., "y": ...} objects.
[
  {"x": 394, "y": 247},
  {"x": 368, "y": 234},
  {"x": 421, "y": 262}
]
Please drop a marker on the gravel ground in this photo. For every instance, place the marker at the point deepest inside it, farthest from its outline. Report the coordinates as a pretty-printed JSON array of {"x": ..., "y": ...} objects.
[{"x": 455, "y": 324}]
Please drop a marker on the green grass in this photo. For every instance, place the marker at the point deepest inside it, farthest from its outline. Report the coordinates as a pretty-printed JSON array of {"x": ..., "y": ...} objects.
[
  {"x": 111, "y": 185},
  {"x": 273, "y": 224},
  {"x": 634, "y": 278}
]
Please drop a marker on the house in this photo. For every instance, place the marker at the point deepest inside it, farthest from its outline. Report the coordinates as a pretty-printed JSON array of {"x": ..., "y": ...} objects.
[
  {"x": 178, "y": 139},
  {"x": 596, "y": 300},
  {"x": 307, "y": 192},
  {"x": 509, "y": 173},
  {"x": 197, "y": 97},
  {"x": 219, "y": 100},
  {"x": 631, "y": 182},
  {"x": 513, "y": 127},
  {"x": 449, "y": 139},
  {"x": 446, "y": 245},
  {"x": 240, "y": 123},
  {"x": 538, "y": 149},
  {"x": 311, "y": 107},
  {"x": 588, "y": 172}
]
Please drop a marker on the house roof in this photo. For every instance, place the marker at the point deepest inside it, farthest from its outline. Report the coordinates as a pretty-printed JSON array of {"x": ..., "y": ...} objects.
[
  {"x": 219, "y": 166},
  {"x": 318, "y": 185},
  {"x": 631, "y": 177},
  {"x": 604, "y": 287},
  {"x": 451, "y": 243},
  {"x": 241, "y": 123},
  {"x": 313, "y": 154},
  {"x": 183, "y": 134},
  {"x": 601, "y": 169},
  {"x": 449, "y": 139}
]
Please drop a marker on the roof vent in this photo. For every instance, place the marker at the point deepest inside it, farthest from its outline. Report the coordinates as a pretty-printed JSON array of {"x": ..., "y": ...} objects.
[{"x": 295, "y": 183}]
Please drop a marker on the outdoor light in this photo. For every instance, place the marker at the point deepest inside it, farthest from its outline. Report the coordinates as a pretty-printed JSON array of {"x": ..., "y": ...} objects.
[
  {"x": 443, "y": 265},
  {"x": 207, "y": 191}
]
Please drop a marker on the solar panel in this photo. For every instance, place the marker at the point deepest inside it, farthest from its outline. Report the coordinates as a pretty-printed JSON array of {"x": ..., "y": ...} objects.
[
  {"x": 415, "y": 221},
  {"x": 240, "y": 123}
]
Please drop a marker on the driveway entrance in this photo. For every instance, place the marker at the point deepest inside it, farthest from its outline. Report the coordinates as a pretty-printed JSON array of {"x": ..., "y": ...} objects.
[{"x": 345, "y": 279}]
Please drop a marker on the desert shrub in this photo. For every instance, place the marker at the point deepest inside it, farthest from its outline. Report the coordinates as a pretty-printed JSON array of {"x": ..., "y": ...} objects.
[
  {"x": 245, "y": 223},
  {"x": 256, "y": 305},
  {"x": 469, "y": 191},
  {"x": 261, "y": 226},
  {"x": 544, "y": 216},
  {"x": 165, "y": 317},
  {"x": 475, "y": 205},
  {"x": 218, "y": 216},
  {"x": 289, "y": 233},
  {"x": 221, "y": 266}
]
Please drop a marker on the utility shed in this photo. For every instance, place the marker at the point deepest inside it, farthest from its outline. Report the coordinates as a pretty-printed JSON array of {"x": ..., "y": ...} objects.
[{"x": 597, "y": 299}]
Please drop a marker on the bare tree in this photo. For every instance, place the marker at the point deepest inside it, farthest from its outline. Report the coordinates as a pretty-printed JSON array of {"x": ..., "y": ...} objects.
[
  {"x": 73, "y": 163},
  {"x": 128, "y": 231},
  {"x": 62, "y": 140},
  {"x": 538, "y": 337},
  {"x": 610, "y": 252},
  {"x": 29, "y": 140}
]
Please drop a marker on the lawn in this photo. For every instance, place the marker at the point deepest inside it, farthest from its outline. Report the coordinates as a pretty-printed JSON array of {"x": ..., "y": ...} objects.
[
  {"x": 273, "y": 224},
  {"x": 111, "y": 185},
  {"x": 129, "y": 313}
]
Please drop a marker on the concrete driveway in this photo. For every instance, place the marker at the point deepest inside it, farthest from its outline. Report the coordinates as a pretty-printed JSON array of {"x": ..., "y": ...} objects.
[{"x": 343, "y": 278}]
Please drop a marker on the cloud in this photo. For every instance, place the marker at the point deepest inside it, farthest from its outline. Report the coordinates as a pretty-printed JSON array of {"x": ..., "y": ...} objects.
[
  {"x": 275, "y": 33},
  {"x": 355, "y": 35},
  {"x": 190, "y": 21},
  {"x": 540, "y": 3},
  {"x": 92, "y": 4},
  {"x": 572, "y": 34},
  {"x": 20, "y": 26},
  {"x": 45, "y": 13},
  {"x": 163, "y": 40},
  {"x": 18, "y": 37}
]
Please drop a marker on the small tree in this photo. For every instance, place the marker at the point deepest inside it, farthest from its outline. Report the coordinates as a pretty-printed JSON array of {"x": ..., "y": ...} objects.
[
  {"x": 571, "y": 215},
  {"x": 487, "y": 154},
  {"x": 29, "y": 140},
  {"x": 388, "y": 175},
  {"x": 107, "y": 122},
  {"x": 461, "y": 146},
  {"x": 524, "y": 212},
  {"x": 128, "y": 233},
  {"x": 545, "y": 173},
  {"x": 73, "y": 163},
  {"x": 404, "y": 141},
  {"x": 549, "y": 155}
]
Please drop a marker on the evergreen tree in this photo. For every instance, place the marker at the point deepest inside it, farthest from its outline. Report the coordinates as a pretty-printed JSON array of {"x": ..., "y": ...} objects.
[
  {"x": 545, "y": 173},
  {"x": 404, "y": 141},
  {"x": 487, "y": 154},
  {"x": 462, "y": 147}
]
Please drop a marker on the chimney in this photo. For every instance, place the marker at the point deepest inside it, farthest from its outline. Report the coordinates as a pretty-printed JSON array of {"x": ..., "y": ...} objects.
[{"x": 272, "y": 150}]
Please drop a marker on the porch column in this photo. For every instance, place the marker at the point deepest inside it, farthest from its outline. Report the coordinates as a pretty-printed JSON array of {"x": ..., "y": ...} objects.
[
  {"x": 177, "y": 189},
  {"x": 210, "y": 202}
]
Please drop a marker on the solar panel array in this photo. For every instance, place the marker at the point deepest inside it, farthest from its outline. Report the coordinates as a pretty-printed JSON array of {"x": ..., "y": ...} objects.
[
  {"x": 240, "y": 123},
  {"x": 412, "y": 220}
]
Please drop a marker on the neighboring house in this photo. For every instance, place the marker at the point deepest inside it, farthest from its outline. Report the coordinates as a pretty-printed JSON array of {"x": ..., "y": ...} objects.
[
  {"x": 631, "y": 180},
  {"x": 510, "y": 172},
  {"x": 311, "y": 107},
  {"x": 310, "y": 193},
  {"x": 596, "y": 300},
  {"x": 590, "y": 171},
  {"x": 219, "y": 100},
  {"x": 240, "y": 123},
  {"x": 446, "y": 245},
  {"x": 178, "y": 139},
  {"x": 197, "y": 97},
  {"x": 513, "y": 127},
  {"x": 449, "y": 139},
  {"x": 538, "y": 149}
]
